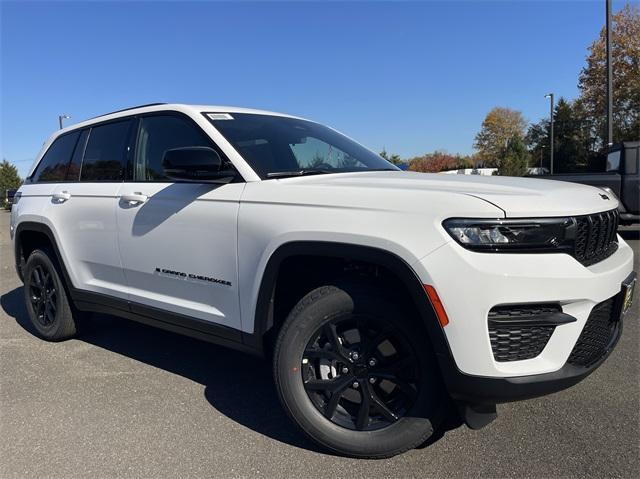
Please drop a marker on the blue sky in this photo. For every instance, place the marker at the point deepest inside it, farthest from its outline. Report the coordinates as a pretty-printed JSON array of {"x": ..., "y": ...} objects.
[{"x": 411, "y": 77}]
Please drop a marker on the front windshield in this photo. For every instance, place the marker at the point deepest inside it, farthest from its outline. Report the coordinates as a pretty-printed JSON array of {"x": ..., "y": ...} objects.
[{"x": 276, "y": 146}]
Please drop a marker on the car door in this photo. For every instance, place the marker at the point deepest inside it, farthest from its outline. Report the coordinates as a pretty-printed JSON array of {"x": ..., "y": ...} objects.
[
  {"x": 178, "y": 240},
  {"x": 82, "y": 208}
]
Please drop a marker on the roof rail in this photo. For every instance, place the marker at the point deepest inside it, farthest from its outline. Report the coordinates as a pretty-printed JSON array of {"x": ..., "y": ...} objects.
[{"x": 126, "y": 109}]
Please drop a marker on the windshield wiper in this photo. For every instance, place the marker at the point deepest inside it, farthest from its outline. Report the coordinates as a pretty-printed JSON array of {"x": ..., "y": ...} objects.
[{"x": 285, "y": 174}]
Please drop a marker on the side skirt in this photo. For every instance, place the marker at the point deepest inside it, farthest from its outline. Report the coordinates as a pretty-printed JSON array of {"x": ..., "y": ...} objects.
[{"x": 176, "y": 323}]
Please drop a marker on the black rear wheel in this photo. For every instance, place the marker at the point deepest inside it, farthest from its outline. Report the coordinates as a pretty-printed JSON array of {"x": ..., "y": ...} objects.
[
  {"x": 46, "y": 299},
  {"x": 356, "y": 374}
]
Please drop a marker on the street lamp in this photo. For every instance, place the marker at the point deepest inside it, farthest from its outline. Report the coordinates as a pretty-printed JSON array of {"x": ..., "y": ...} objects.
[
  {"x": 550, "y": 96},
  {"x": 609, "y": 75},
  {"x": 62, "y": 117}
]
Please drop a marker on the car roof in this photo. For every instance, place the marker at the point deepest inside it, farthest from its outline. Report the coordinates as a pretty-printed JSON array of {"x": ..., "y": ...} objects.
[{"x": 180, "y": 107}]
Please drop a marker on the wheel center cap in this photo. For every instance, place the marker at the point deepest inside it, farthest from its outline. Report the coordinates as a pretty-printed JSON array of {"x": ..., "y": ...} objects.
[{"x": 360, "y": 370}]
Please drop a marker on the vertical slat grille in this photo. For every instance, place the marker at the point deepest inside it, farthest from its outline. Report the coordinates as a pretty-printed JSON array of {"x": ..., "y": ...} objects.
[{"x": 596, "y": 237}]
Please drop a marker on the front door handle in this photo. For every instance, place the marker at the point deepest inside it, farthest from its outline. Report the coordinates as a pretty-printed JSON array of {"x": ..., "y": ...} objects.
[
  {"x": 134, "y": 199},
  {"x": 61, "y": 197}
]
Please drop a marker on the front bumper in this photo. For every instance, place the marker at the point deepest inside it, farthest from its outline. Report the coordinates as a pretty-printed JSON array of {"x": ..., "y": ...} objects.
[
  {"x": 470, "y": 284},
  {"x": 486, "y": 390}
]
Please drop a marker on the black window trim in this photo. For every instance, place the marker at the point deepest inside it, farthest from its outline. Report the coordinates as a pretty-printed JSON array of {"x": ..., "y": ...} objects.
[{"x": 84, "y": 147}]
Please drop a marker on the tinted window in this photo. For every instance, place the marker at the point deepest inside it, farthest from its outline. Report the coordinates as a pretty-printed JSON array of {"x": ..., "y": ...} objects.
[
  {"x": 104, "y": 155},
  {"x": 272, "y": 144},
  {"x": 157, "y": 134},
  {"x": 613, "y": 161},
  {"x": 54, "y": 163},
  {"x": 73, "y": 172}
]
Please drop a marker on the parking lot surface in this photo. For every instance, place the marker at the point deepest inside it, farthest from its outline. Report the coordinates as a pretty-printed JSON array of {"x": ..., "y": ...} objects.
[{"x": 127, "y": 400}]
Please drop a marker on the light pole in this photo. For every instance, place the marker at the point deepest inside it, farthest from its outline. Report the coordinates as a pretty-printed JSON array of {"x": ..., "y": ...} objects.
[
  {"x": 62, "y": 117},
  {"x": 550, "y": 96},
  {"x": 609, "y": 77}
]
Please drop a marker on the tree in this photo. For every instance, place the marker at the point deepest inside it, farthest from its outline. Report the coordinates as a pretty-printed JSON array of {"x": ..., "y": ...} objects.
[
  {"x": 515, "y": 158},
  {"x": 434, "y": 162},
  {"x": 9, "y": 178},
  {"x": 498, "y": 127},
  {"x": 625, "y": 54},
  {"x": 395, "y": 159},
  {"x": 573, "y": 142}
]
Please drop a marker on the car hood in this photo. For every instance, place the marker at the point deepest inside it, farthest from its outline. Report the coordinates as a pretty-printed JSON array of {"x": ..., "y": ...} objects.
[{"x": 517, "y": 197}]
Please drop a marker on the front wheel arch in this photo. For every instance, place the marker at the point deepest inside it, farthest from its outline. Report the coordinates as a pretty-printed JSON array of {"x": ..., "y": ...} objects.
[{"x": 264, "y": 312}]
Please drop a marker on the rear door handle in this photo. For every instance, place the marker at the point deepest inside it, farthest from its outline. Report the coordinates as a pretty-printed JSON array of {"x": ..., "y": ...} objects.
[
  {"x": 61, "y": 197},
  {"x": 134, "y": 199}
]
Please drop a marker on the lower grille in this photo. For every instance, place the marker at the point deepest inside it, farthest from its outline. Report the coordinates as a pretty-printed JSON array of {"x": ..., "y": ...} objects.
[
  {"x": 598, "y": 332},
  {"x": 514, "y": 333}
]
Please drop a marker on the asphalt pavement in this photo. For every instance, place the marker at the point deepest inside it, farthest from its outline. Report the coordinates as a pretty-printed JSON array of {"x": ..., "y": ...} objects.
[{"x": 127, "y": 400}]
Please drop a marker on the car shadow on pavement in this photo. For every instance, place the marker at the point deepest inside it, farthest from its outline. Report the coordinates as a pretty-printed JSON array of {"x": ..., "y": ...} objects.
[{"x": 237, "y": 385}]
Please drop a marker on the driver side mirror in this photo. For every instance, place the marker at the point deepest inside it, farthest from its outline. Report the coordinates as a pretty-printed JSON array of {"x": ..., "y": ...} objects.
[{"x": 192, "y": 163}]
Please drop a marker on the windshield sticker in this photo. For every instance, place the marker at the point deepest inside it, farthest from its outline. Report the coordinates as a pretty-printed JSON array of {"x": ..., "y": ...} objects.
[{"x": 219, "y": 116}]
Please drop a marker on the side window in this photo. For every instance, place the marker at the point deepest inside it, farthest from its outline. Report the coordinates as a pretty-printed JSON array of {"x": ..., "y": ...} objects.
[
  {"x": 54, "y": 163},
  {"x": 312, "y": 152},
  {"x": 104, "y": 155},
  {"x": 73, "y": 172},
  {"x": 158, "y": 134},
  {"x": 613, "y": 161}
]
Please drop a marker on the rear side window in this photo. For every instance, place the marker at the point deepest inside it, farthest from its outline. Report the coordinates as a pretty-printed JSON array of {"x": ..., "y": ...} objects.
[
  {"x": 160, "y": 133},
  {"x": 55, "y": 162},
  {"x": 104, "y": 155}
]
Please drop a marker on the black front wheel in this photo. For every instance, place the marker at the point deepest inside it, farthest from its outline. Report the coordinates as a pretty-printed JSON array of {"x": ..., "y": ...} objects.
[
  {"x": 356, "y": 374},
  {"x": 46, "y": 299}
]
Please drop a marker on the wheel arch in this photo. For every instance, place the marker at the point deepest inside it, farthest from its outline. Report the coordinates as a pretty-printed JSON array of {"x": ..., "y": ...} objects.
[
  {"x": 264, "y": 308},
  {"x": 33, "y": 229}
]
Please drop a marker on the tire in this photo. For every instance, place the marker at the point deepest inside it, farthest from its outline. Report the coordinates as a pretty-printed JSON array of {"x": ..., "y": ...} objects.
[
  {"x": 325, "y": 315},
  {"x": 46, "y": 298}
]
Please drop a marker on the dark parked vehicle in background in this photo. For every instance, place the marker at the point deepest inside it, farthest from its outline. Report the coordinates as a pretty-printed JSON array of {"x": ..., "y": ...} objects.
[
  {"x": 620, "y": 178},
  {"x": 8, "y": 198}
]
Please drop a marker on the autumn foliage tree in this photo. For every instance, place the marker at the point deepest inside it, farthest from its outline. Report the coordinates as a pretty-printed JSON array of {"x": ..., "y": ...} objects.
[
  {"x": 438, "y": 161},
  {"x": 499, "y": 126},
  {"x": 625, "y": 52}
]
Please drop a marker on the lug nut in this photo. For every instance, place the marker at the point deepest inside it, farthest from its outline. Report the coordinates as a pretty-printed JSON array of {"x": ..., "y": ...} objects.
[
  {"x": 355, "y": 356},
  {"x": 356, "y": 385},
  {"x": 372, "y": 380},
  {"x": 345, "y": 370},
  {"x": 372, "y": 362}
]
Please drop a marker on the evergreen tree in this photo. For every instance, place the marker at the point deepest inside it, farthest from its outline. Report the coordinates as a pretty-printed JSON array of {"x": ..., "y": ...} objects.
[
  {"x": 515, "y": 158},
  {"x": 9, "y": 178}
]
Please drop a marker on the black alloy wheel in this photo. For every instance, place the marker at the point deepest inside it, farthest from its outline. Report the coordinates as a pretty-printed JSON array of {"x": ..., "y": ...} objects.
[
  {"x": 360, "y": 373},
  {"x": 46, "y": 299},
  {"x": 43, "y": 295},
  {"x": 355, "y": 371}
]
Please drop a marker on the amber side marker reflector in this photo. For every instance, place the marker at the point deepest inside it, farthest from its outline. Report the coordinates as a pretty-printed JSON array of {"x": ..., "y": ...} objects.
[{"x": 437, "y": 305}]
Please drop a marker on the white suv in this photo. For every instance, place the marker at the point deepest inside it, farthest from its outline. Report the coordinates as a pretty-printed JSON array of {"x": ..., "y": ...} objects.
[{"x": 382, "y": 296}]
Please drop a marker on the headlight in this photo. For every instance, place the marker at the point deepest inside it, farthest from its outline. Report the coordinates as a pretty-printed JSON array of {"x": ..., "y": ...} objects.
[{"x": 518, "y": 235}]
